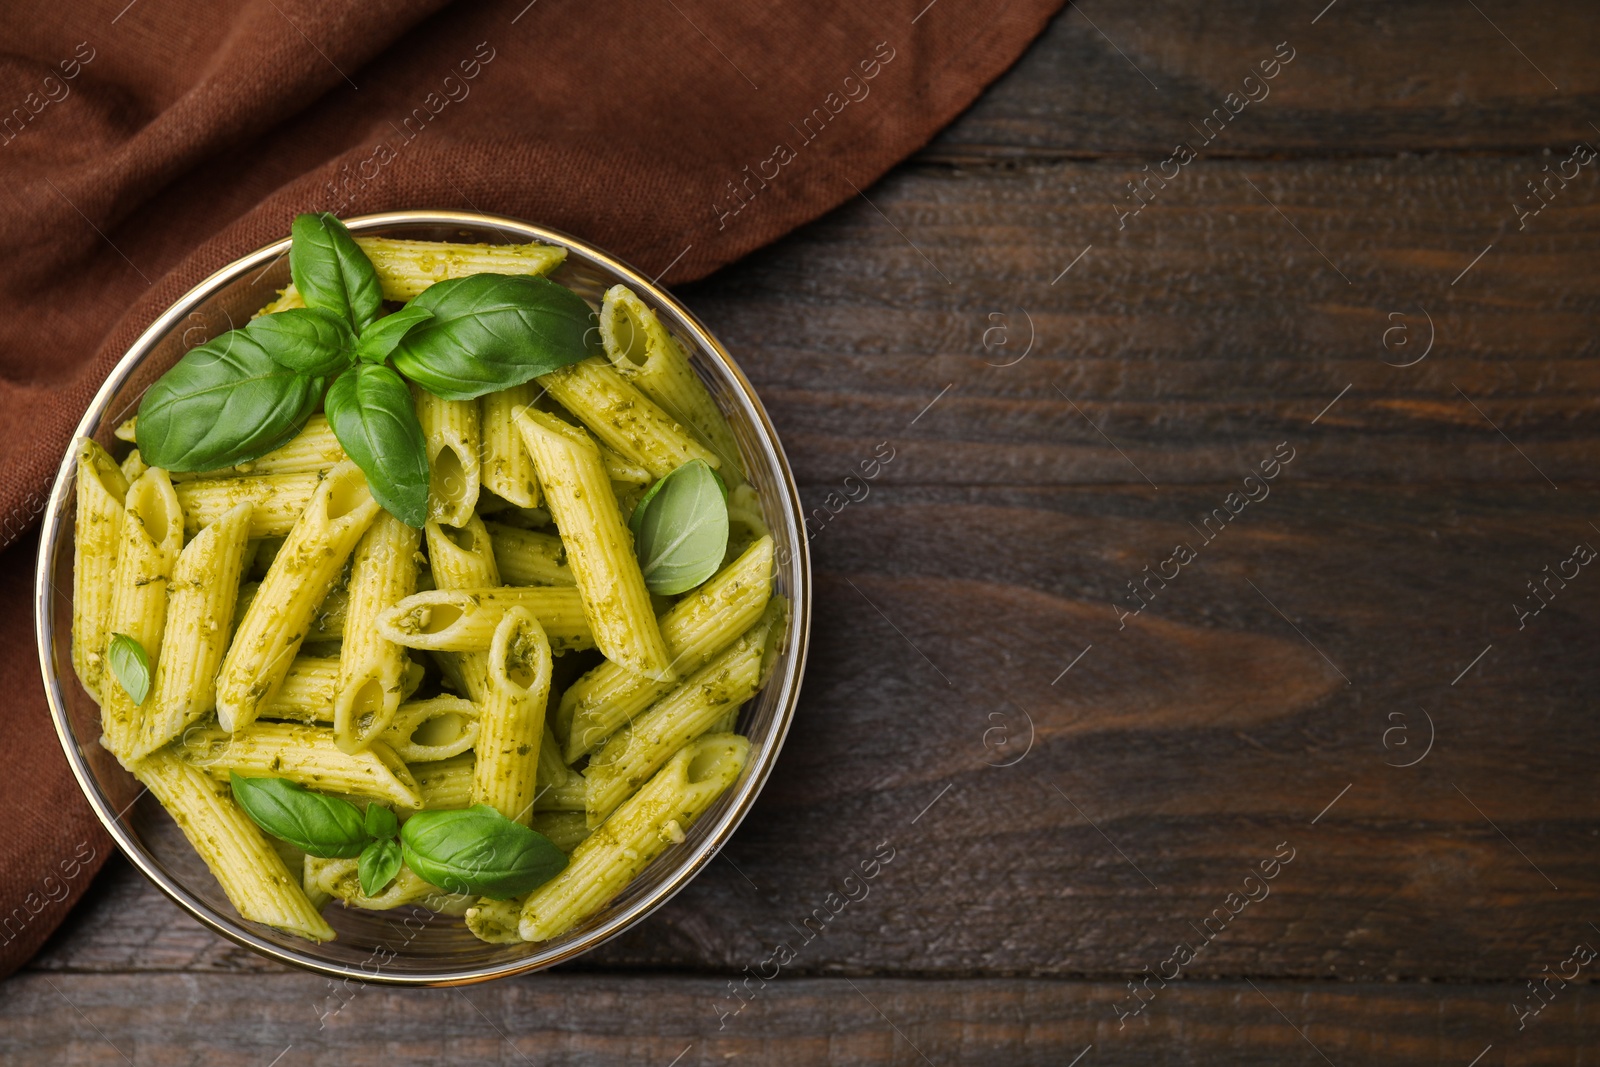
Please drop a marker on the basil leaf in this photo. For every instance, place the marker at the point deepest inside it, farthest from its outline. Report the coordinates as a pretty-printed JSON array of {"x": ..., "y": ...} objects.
[
  {"x": 313, "y": 340},
  {"x": 131, "y": 666},
  {"x": 381, "y": 822},
  {"x": 680, "y": 529},
  {"x": 478, "y": 851},
  {"x": 379, "y": 339},
  {"x": 331, "y": 271},
  {"x": 324, "y": 826},
  {"x": 493, "y": 331},
  {"x": 226, "y": 401},
  {"x": 380, "y": 862},
  {"x": 373, "y": 416}
]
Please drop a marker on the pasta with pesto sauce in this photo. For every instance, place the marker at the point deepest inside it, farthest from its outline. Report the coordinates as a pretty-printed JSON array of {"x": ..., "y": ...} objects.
[{"x": 272, "y": 619}]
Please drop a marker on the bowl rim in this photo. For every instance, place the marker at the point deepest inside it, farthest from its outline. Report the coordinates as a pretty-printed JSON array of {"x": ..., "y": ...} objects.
[{"x": 737, "y": 805}]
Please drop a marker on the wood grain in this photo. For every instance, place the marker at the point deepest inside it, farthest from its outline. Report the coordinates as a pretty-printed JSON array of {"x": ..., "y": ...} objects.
[
  {"x": 572, "y": 1019},
  {"x": 1069, "y": 797}
]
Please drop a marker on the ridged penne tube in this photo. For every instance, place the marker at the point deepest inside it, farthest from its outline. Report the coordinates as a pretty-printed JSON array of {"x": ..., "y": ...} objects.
[
  {"x": 528, "y": 557},
  {"x": 627, "y": 421},
  {"x": 200, "y": 596},
  {"x": 642, "y": 350},
  {"x": 511, "y": 726},
  {"x": 134, "y": 466},
  {"x": 327, "y": 622},
  {"x": 308, "y": 755},
  {"x": 599, "y": 547},
  {"x": 638, "y": 750},
  {"x": 464, "y": 620},
  {"x": 97, "y": 538},
  {"x": 445, "y": 785},
  {"x": 250, "y": 872},
  {"x": 152, "y": 534},
  {"x": 383, "y": 571},
  {"x": 304, "y": 571},
  {"x": 506, "y": 469},
  {"x": 314, "y": 450},
  {"x": 279, "y": 500},
  {"x": 640, "y": 830},
  {"x": 433, "y": 729},
  {"x": 406, "y": 268},
  {"x": 450, "y": 428},
  {"x": 341, "y": 879},
  {"x": 622, "y": 473},
  {"x": 565, "y": 829},
  {"x": 306, "y": 694},
  {"x": 462, "y": 557},
  {"x": 695, "y": 628},
  {"x": 495, "y": 921}
]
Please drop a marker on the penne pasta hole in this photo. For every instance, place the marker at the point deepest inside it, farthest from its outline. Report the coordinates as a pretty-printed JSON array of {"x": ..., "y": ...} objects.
[
  {"x": 463, "y": 537},
  {"x": 438, "y": 618},
  {"x": 346, "y": 495},
  {"x": 629, "y": 333},
  {"x": 707, "y": 763},
  {"x": 439, "y": 731},
  {"x": 449, "y": 476}
]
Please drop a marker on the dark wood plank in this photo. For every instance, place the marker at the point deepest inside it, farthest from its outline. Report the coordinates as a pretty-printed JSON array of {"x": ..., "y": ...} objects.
[
  {"x": 691, "y": 1022},
  {"x": 1366, "y": 77},
  {"x": 1203, "y": 333}
]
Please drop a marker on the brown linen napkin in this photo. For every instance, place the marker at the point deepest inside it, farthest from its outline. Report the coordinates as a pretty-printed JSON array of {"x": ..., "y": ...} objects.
[{"x": 145, "y": 144}]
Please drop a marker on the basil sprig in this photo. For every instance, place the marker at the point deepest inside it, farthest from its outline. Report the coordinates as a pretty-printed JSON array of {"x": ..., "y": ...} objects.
[
  {"x": 479, "y": 851},
  {"x": 130, "y": 665},
  {"x": 680, "y": 528},
  {"x": 324, "y": 826},
  {"x": 248, "y": 391}
]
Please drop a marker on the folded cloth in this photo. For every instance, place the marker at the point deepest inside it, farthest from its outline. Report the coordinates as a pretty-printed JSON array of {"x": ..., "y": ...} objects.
[{"x": 145, "y": 146}]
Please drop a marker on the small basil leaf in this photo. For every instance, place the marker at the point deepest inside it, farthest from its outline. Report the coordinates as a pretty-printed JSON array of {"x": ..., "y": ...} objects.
[
  {"x": 479, "y": 851},
  {"x": 314, "y": 340},
  {"x": 331, "y": 271},
  {"x": 375, "y": 420},
  {"x": 680, "y": 529},
  {"x": 225, "y": 402},
  {"x": 131, "y": 666},
  {"x": 493, "y": 331},
  {"x": 380, "y": 862},
  {"x": 323, "y": 826},
  {"x": 381, "y": 822},
  {"x": 379, "y": 339}
]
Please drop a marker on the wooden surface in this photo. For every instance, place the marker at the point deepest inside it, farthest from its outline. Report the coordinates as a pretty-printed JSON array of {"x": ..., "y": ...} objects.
[{"x": 1068, "y": 796}]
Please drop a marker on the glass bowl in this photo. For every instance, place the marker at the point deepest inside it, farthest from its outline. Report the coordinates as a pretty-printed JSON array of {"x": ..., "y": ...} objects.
[{"x": 408, "y": 946}]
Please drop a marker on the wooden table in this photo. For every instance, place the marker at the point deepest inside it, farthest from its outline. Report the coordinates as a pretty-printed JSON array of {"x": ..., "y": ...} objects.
[{"x": 1341, "y": 680}]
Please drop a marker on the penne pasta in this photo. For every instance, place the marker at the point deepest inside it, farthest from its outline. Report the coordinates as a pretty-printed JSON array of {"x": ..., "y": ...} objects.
[
  {"x": 406, "y": 268},
  {"x": 599, "y": 547},
  {"x": 199, "y": 625},
  {"x": 451, "y": 430},
  {"x": 511, "y": 726},
  {"x": 464, "y": 620},
  {"x": 656, "y": 816},
  {"x": 463, "y": 558},
  {"x": 305, "y": 754},
  {"x": 433, "y": 729},
  {"x": 304, "y": 571},
  {"x": 624, "y": 419},
  {"x": 643, "y": 352},
  {"x": 529, "y": 557},
  {"x": 705, "y": 698},
  {"x": 314, "y": 450},
  {"x": 340, "y": 879},
  {"x": 97, "y": 537},
  {"x": 383, "y": 571},
  {"x": 694, "y": 629},
  {"x": 152, "y": 534},
  {"x": 250, "y": 872},
  {"x": 506, "y": 468},
  {"x": 277, "y": 501}
]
